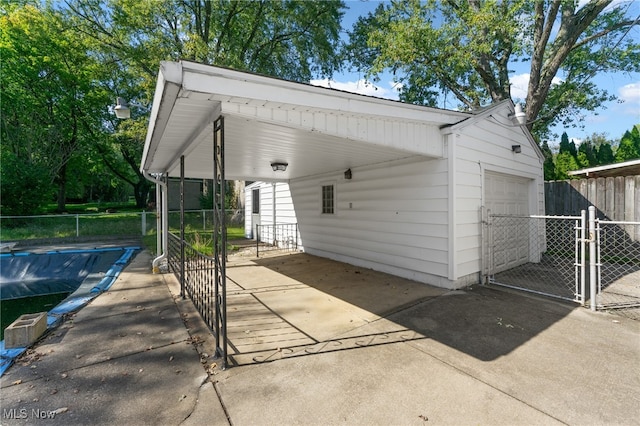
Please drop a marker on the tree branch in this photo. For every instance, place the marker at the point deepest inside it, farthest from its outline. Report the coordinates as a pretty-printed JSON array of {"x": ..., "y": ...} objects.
[{"x": 605, "y": 32}]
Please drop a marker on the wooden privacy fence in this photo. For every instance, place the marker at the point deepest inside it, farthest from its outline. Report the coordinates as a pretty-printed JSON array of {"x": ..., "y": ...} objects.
[{"x": 615, "y": 198}]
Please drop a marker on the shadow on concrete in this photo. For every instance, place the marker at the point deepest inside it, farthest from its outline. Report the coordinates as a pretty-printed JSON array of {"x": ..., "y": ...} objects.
[{"x": 297, "y": 305}]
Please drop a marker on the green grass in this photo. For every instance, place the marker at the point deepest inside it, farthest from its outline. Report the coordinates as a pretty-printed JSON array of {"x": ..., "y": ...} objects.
[
  {"x": 63, "y": 226},
  {"x": 10, "y": 310},
  {"x": 83, "y": 221},
  {"x": 81, "y": 208},
  {"x": 200, "y": 240},
  {"x": 198, "y": 226}
]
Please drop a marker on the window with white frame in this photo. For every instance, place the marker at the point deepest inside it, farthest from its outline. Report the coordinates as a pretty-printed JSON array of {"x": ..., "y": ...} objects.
[{"x": 328, "y": 199}]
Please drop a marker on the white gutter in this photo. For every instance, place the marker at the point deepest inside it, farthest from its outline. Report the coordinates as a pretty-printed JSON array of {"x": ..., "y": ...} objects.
[{"x": 164, "y": 217}]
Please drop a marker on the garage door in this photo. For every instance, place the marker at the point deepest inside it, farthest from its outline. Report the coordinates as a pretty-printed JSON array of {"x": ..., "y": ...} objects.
[{"x": 507, "y": 195}]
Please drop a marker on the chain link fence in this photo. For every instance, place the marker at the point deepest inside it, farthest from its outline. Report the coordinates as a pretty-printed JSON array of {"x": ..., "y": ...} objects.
[
  {"x": 618, "y": 245},
  {"x": 15, "y": 228},
  {"x": 539, "y": 254},
  {"x": 550, "y": 255}
]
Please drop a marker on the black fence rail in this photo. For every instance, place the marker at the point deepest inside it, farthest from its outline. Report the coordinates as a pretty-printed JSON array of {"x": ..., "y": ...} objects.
[
  {"x": 197, "y": 281},
  {"x": 281, "y": 237}
]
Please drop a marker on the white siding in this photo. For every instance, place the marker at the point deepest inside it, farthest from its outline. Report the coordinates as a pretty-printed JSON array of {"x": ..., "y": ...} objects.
[
  {"x": 391, "y": 217},
  {"x": 285, "y": 211},
  {"x": 486, "y": 147},
  {"x": 417, "y": 137},
  {"x": 418, "y": 218}
]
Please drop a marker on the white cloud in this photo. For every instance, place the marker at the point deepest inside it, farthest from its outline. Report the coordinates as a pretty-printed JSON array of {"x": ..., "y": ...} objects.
[
  {"x": 520, "y": 84},
  {"x": 361, "y": 86},
  {"x": 630, "y": 95}
]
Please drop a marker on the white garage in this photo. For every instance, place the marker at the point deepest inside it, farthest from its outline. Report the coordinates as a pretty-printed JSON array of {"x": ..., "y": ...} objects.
[{"x": 377, "y": 183}]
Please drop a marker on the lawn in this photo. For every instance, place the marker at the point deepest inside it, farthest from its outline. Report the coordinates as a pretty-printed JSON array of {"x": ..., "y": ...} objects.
[{"x": 110, "y": 220}]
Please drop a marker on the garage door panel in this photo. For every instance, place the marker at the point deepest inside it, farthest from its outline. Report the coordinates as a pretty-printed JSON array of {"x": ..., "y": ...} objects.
[{"x": 508, "y": 195}]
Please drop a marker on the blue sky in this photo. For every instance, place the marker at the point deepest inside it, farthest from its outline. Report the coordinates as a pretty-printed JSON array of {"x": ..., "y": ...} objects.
[{"x": 613, "y": 119}]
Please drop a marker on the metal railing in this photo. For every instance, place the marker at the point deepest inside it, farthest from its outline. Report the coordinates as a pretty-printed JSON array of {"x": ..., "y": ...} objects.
[
  {"x": 198, "y": 278},
  {"x": 282, "y": 237}
]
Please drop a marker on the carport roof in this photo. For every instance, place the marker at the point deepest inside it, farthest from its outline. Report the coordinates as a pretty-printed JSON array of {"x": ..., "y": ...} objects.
[
  {"x": 627, "y": 168},
  {"x": 315, "y": 130}
]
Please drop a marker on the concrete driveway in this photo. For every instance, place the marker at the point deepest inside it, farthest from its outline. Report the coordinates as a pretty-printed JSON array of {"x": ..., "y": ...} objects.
[{"x": 356, "y": 346}]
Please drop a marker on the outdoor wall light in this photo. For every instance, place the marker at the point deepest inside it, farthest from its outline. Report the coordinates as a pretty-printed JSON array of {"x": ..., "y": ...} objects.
[
  {"x": 347, "y": 174},
  {"x": 518, "y": 118},
  {"x": 516, "y": 149},
  {"x": 279, "y": 167},
  {"x": 122, "y": 109}
]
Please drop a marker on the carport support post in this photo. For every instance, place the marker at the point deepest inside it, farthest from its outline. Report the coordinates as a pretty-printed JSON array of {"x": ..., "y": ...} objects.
[
  {"x": 583, "y": 255},
  {"x": 592, "y": 257},
  {"x": 182, "y": 226},
  {"x": 220, "y": 241}
]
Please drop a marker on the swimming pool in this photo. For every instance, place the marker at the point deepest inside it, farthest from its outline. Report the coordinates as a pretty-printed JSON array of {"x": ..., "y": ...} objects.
[{"x": 82, "y": 274}]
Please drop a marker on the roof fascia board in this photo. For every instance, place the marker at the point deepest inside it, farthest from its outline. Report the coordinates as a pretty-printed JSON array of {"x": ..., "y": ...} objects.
[
  {"x": 476, "y": 118},
  {"x": 167, "y": 90},
  {"x": 484, "y": 115},
  {"x": 604, "y": 168},
  {"x": 226, "y": 82}
]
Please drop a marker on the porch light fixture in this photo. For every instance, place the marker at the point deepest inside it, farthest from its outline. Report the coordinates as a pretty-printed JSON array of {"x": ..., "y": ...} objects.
[
  {"x": 122, "y": 109},
  {"x": 516, "y": 149},
  {"x": 518, "y": 118},
  {"x": 279, "y": 167},
  {"x": 347, "y": 174}
]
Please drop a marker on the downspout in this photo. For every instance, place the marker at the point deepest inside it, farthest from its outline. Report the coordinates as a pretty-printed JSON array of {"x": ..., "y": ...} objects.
[{"x": 164, "y": 215}]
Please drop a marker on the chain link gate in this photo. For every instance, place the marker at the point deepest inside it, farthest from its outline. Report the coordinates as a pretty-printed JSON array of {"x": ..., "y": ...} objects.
[
  {"x": 538, "y": 254},
  {"x": 618, "y": 267},
  {"x": 566, "y": 257}
]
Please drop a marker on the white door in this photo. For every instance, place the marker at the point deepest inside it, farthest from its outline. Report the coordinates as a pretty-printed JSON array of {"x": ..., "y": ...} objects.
[{"x": 508, "y": 195}]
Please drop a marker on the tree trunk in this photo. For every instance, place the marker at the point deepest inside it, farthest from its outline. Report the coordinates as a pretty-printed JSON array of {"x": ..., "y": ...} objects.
[
  {"x": 61, "y": 180},
  {"x": 141, "y": 192}
]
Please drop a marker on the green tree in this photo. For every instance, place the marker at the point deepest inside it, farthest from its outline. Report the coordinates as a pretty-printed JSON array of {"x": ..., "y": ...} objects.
[
  {"x": 566, "y": 146},
  {"x": 565, "y": 162},
  {"x": 597, "y": 148},
  {"x": 549, "y": 166},
  {"x": 121, "y": 153},
  {"x": 587, "y": 154},
  {"x": 465, "y": 48},
  {"x": 24, "y": 187},
  {"x": 50, "y": 94},
  {"x": 629, "y": 147},
  {"x": 295, "y": 40},
  {"x": 605, "y": 154}
]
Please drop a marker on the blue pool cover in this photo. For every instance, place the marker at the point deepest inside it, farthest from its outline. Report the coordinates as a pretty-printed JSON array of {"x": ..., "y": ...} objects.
[{"x": 83, "y": 273}]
